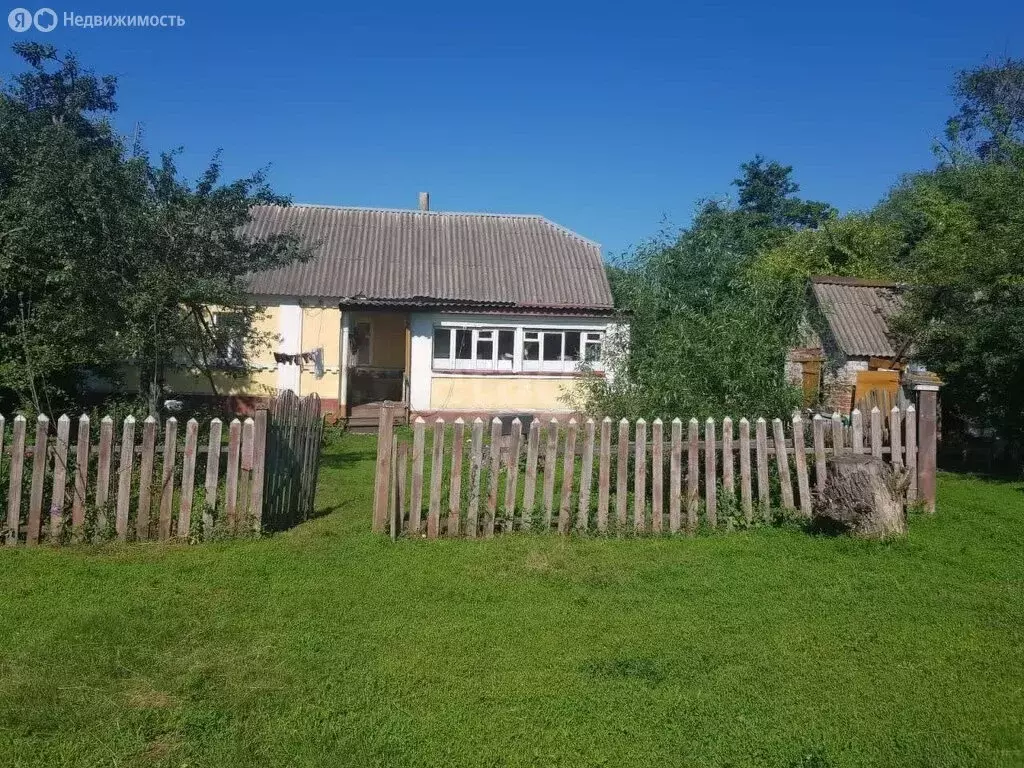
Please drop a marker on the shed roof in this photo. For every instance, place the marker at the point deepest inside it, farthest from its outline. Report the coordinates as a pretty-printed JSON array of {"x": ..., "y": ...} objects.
[
  {"x": 388, "y": 257},
  {"x": 858, "y": 313}
]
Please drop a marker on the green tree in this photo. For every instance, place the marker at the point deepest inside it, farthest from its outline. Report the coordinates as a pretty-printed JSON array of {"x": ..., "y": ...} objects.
[
  {"x": 105, "y": 257},
  {"x": 989, "y": 121},
  {"x": 704, "y": 339}
]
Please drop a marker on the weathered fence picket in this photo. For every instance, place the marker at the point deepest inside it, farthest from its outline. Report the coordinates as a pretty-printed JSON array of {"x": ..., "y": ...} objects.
[
  {"x": 876, "y": 433},
  {"x": 710, "y": 474},
  {"x": 81, "y": 479},
  {"x": 586, "y": 475},
  {"x": 212, "y": 474},
  {"x": 746, "y": 496},
  {"x": 455, "y": 489},
  {"x": 530, "y": 476},
  {"x": 512, "y": 472},
  {"x": 60, "y": 477},
  {"x": 639, "y": 455},
  {"x": 15, "y": 480},
  {"x": 124, "y": 476},
  {"x": 416, "y": 492},
  {"x": 819, "y": 453},
  {"x": 167, "y": 478},
  {"x": 692, "y": 475},
  {"x": 800, "y": 462},
  {"x": 35, "y": 499},
  {"x": 65, "y": 505},
  {"x": 782, "y": 464},
  {"x": 622, "y": 476},
  {"x": 188, "y": 478},
  {"x": 550, "y": 457},
  {"x": 103, "y": 472},
  {"x": 493, "y": 477},
  {"x": 604, "y": 474},
  {"x": 568, "y": 469},
  {"x": 145, "y": 479},
  {"x": 640, "y": 476},
  {"x": 475, "y": 470},
  {"x": 857, "y": 431},
  {"x": 436, "y": 478},
  {"x": 675, "y": 477},
  {"x": 762, "y": 467}
]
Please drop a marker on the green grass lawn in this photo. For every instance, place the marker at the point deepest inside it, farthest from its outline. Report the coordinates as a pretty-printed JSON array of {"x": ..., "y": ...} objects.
[{"x": 328, "y": 645}]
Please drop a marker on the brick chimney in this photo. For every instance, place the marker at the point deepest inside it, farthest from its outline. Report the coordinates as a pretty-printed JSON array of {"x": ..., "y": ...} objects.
[{"x": 424, "y": 201}]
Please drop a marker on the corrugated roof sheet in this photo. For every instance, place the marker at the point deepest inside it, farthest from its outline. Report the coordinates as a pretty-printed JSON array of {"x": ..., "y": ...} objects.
[
  {"x": 858, "y": 313},
  {"x": 434, "y": 257}
]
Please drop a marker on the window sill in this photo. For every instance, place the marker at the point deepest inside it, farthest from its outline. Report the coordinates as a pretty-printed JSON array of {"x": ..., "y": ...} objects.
[{"x": 518, "y": 374}]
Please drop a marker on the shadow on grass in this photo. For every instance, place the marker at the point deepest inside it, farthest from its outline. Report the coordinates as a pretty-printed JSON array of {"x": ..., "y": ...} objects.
[{"x": 344, "y": 459}]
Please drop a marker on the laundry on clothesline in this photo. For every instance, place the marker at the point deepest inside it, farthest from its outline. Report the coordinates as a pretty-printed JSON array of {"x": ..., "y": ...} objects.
[{"x": 314, "y": 358}]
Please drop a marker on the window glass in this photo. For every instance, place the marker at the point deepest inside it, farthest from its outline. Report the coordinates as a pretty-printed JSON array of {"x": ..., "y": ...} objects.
[
  {"x": 463, "y": 344},
  {"x": 593, "y": 352},
  {"x": 484, "y": 347},
  {"x": 442, "y": 343},
  {"x": 531, "y": 349},
  {"x": 229, "y": 329},
  {"x": 553, "y": 345},
  {"x": 360, "y": 343},
  {"x": 506, "y": 345},
  {"x": 572, "y": 345}
]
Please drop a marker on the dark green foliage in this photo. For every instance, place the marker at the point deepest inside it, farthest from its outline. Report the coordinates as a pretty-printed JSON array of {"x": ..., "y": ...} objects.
[
  {"x": 954, "y": 235},
  {"x": 990, "y": 119},
  {"x": 705, "y": 339},
  {"x": 106, "y": 257}
]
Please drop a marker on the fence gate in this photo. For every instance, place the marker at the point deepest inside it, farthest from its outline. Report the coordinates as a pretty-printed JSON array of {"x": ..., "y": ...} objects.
[{"x": 294, "y": 433}]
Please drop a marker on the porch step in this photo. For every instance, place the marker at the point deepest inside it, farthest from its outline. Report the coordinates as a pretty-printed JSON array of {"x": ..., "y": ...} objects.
[{"x": 365, "y": 424}]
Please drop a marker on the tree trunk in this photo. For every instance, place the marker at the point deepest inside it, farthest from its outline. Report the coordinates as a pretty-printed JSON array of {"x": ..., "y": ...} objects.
[{"x": 864, "y": 497}]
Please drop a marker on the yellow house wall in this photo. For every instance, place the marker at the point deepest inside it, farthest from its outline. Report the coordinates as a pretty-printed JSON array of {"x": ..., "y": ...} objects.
[
  {"x": 260, "y": 382},
  {"x": 321, "y": 327},
  {"x": 499, "y": 393},
  {"x": 186, "y": 382}
]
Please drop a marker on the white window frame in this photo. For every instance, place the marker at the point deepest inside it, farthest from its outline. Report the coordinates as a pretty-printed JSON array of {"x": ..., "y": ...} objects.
[{"x": 518, "y": 363}]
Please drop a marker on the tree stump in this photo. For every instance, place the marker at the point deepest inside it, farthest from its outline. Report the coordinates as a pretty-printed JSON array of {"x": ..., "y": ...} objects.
[{"x": 863, "y": 496}]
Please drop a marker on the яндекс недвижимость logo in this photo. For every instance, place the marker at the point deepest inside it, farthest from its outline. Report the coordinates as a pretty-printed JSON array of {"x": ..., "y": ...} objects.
[
  {"x": 46, "y": 20},
  {"x": 22, "y": 19}
]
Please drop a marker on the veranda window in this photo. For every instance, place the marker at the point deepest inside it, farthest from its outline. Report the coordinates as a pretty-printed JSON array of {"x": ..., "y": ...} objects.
[
  {"x": 560, "y": 351},
  {"x": 494, "y": 349},
  {"x": 474, "y": 349}
]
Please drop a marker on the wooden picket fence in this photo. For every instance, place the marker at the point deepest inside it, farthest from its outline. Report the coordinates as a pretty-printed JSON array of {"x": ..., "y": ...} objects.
[
  {"x": 641, "y": 472},
  {"x": 147, "y": 504}
]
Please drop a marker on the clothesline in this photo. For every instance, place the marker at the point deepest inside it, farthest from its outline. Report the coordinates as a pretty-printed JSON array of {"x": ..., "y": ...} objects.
[{"x": 314, "y": 358}]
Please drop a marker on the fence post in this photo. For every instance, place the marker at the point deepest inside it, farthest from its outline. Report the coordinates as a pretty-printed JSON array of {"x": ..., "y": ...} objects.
[
  {"x": 35, "y": 499},
  {"x": 259, "y": 469},
  {"x": 927, "y": 442},
  {"x": 385, "y": 431}
]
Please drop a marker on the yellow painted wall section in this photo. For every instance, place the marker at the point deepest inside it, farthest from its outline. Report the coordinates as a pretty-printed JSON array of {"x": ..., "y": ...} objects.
[
  {"x": 321, "y": 327},
  {"x": 267, "y": 323},
  {"x": 327, "y": 387},
  {"x": 189, "y": 383},
  {"x": 499, "y": 393}
]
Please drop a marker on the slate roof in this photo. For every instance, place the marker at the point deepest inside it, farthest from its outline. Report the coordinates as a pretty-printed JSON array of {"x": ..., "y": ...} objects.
[
  {"x": 858, "y": 313},
  {"x": 434, "y": 259}
]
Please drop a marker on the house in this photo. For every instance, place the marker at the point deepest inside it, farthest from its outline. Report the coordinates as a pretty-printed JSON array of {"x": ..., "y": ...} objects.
[
  {"x": 848, "y": 357},
  {"x": 453, "y": 313}
]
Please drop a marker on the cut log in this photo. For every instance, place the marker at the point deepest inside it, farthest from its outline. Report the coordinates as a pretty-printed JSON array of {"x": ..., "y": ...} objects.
[{"x": 863, "y": 496}]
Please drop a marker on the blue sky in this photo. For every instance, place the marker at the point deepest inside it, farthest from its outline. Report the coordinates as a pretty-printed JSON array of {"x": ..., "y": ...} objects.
[{"x": 606, "y": 118}]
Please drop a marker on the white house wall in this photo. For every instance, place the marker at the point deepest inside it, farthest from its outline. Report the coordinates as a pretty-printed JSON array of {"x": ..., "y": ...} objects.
[{"x": 492, "y": 386}]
